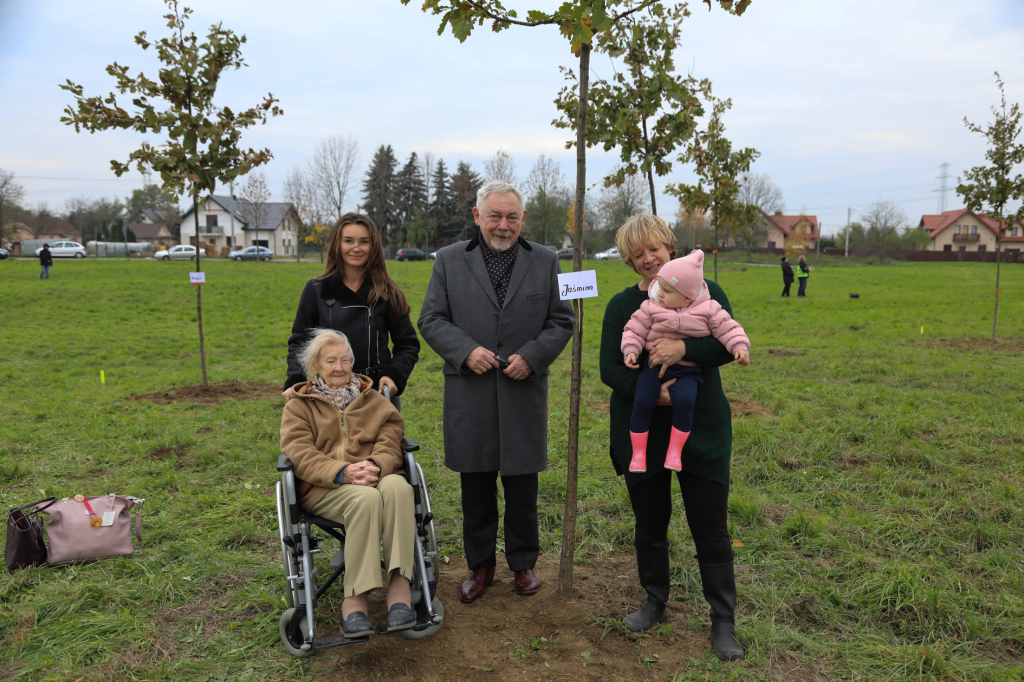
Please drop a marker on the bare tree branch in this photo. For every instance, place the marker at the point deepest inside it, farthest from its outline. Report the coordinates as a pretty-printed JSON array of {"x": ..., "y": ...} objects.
[{"x": 331, "y": 170}]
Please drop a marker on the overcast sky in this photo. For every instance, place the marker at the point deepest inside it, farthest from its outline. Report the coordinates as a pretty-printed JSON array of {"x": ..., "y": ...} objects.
[{"x": 848, "y": 101}]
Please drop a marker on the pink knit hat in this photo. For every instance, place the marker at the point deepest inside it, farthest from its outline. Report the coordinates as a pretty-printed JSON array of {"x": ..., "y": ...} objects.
[{"x": 686, "y": 274}]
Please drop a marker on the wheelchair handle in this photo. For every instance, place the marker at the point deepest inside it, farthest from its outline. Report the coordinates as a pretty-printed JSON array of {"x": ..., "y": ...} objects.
[{"x": 283, "y": 463}]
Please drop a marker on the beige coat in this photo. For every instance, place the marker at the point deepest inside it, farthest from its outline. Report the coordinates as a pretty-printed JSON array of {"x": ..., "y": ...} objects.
[{"x": 319, "y": 446}]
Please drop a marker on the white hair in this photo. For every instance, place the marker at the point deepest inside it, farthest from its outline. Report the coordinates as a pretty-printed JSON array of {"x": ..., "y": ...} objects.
[
  {"x": 309, "y": 355},
  {"x": 497, "y": 187}
]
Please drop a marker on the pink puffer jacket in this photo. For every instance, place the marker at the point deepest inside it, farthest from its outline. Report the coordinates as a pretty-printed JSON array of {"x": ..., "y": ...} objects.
[{"x": 704, "y": 316}]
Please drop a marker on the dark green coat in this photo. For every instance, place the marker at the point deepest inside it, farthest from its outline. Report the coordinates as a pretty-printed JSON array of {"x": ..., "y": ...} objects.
[{"x": 708, "y": 450}]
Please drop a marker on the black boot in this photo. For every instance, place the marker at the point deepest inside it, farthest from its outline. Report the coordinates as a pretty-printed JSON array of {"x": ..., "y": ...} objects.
[
  {"x": 654, "y": 577},
  {"x": 719, "y": 583}
]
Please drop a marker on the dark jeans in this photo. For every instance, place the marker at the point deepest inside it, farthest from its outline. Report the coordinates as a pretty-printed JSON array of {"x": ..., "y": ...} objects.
[
  {"x": 706, "y": 505},
  {"x": 803, "y": 287},
  {"x": 480, "y": 520},
  {"x": 785, "y": 288},
  {"x": 45, "y": 271},
  {"x": 683, "y": 393}
]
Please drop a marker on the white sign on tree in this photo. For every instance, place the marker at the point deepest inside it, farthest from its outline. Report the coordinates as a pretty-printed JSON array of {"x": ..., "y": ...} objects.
[{"x": 582, "y": 284}]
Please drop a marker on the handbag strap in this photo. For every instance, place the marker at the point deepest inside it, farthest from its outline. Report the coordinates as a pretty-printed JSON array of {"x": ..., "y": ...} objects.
[
  {"x": 49, "y": 501},
  {"x": 139, "y": 501}
]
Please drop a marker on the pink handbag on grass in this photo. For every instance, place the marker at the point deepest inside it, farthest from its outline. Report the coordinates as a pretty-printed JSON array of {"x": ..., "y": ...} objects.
[{"x": 92, "y": 528}]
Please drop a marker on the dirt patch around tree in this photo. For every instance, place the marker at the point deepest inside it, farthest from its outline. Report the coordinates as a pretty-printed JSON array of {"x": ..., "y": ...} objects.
[
  {"x": 214, "y": 393},
  {"x": 975, "y": 346},
  {"x": 507, "y": 637}
]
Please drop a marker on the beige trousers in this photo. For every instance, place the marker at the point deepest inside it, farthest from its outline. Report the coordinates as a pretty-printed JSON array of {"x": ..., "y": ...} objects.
[{"x": 372, "y": 517}]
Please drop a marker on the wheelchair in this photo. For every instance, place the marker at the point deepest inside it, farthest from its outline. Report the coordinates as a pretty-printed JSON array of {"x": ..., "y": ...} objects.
[{"x": 299, "y": 545}]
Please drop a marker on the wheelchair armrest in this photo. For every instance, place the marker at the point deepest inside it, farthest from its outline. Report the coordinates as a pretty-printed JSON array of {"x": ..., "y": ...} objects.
[
  {"x": 283, "y": 463},
  {"x": 409, "y": 445}
]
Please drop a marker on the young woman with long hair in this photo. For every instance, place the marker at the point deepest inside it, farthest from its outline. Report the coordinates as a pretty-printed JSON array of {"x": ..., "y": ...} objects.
[{"x": 356, "y": 296}]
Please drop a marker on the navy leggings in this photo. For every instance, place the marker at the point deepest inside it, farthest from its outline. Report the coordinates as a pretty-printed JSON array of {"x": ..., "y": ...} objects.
[{"x": 683, "y": 394}]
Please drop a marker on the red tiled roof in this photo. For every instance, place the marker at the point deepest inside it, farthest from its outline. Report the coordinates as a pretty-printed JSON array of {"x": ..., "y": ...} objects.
[
  {"x": 786, "y": 223},
  {"x": 935, "y": 224}
]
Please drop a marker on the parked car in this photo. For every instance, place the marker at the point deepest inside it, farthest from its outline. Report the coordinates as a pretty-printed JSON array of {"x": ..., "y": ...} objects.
[
  {"x": 565, "y": 254},
  {"x": 432, "y": 255},
  {"x": 180, "y": 252},
  {"x": 65, "y": 250},
  {"x": 410, "y": 254},
  {"x": 249, "y": 253},
  {"x": 610, "y": 254},
  {"x": 4, "y": 254}
]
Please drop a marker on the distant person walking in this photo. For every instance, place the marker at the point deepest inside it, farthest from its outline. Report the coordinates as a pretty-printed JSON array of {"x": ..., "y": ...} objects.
[
  {"x": 46, "y": 260},
  {"x": 802, "y": 273},
  {"x": 787, "y": 276}
]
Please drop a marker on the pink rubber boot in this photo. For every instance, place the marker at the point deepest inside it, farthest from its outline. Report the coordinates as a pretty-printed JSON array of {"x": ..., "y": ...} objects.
[
  {"x": 674, "y": 456},
  {"x": 639, "y": 461}
]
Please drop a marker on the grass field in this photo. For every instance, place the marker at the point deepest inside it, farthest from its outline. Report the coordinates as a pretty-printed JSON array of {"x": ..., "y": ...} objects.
[{"x": 878, "y": 505}]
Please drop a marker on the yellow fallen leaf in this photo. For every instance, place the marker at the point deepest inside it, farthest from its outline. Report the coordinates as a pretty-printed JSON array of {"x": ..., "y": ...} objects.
[{"x": 737, "y": 543}]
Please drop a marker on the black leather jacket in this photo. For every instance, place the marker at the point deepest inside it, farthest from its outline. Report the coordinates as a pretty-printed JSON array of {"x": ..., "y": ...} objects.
[
  {"x": 328, "y": 303},
  {"x": 787, "y": 273}
]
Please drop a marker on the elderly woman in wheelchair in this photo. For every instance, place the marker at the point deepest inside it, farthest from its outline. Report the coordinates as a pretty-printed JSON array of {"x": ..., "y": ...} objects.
[{"x": 344, "y": 441}]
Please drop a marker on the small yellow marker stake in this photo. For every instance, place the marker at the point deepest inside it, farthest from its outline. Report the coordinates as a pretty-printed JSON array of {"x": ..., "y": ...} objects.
[{"x": 103, "y": 379}]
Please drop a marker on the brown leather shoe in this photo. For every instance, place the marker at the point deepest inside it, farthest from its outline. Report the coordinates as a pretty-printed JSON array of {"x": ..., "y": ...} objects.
[
  {"x": 474, "y": 586},
  {"x": 527, "y": 583}
]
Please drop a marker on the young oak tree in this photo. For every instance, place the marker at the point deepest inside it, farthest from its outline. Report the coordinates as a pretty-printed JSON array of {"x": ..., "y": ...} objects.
[
  {"x": 578, "y": 21},
  {"x": 202, "y": 144},
  {"x": 647, "y": 111},
  {"x": 992, "y": 188},
  {"x": 719, "y": 171}
]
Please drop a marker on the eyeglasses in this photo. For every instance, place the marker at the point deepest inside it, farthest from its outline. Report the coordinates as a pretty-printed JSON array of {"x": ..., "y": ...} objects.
[{"x": 495, "y": 219}]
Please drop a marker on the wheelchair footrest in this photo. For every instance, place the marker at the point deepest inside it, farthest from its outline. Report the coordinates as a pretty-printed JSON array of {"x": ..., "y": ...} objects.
[{"x": 331, "y": 642}]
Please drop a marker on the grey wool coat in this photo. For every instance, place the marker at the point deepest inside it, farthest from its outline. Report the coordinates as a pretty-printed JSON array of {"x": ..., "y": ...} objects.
[{"x": 492, "y": 422}]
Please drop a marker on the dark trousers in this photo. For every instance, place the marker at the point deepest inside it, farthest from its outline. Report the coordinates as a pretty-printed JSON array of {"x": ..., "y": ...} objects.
[
  {"x": 480, "y": 520},
  {"x": 802, "y": 291},
  {"x": 683, "y": 393},
  {"x": 706, "y": 505},
  {"x": 785, "y": 288}
]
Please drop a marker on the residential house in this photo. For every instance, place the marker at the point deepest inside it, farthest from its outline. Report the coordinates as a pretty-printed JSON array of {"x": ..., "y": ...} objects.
[
  {"x": 31, "y": 229},
  {"x": 222, "y": 222},
  {"x": 795, "y": 233},
  {"x": 962, "y": 230},
  {"x": 152, "y": 233},
  {"x": 148, "y": 216}
]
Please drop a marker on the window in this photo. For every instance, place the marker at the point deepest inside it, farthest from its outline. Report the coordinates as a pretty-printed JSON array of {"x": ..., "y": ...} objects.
[
  {"x": 211, "y": 220},
  {"x": 974, "y": 229},
  {"x": 947, "y": 247},
  {"x": 771, "y": 245},
  {"x": 981, "y": 248}
]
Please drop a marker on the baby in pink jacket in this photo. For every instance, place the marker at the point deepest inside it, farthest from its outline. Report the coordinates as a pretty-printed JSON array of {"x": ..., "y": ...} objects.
[{"x": 680, "y": 307}]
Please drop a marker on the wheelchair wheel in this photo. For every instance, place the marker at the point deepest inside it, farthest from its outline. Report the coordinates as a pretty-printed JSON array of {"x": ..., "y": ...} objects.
[
  {"x": 419, "y": 634},
  {"x": 293, "y": 635}
]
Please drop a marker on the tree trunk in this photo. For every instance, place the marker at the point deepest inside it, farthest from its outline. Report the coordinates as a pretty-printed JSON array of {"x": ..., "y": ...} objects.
[
  {"x": 995, "y": 312},
  {"x": 650, "y": 171},
  {"x": 715, "y": 249},
  {"x": 572, "y": 456},
  {"x": 199, "y": 288}
]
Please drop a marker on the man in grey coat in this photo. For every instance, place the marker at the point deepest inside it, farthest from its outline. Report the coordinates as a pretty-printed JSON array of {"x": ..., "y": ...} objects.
[{"x": 493, "y": 313}]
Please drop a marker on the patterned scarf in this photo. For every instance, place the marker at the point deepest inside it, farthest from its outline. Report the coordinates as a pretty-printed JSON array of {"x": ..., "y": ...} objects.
[
  {"x": 340, "y": 397},
  {"x": 499, "y": 267}
]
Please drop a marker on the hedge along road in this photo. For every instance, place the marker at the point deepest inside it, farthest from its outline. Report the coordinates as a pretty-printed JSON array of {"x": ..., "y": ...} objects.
[{"x": 875, "y": 503}]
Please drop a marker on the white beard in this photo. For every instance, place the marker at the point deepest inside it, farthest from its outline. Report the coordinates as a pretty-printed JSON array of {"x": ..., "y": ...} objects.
[{"x": 501, "y": 248}]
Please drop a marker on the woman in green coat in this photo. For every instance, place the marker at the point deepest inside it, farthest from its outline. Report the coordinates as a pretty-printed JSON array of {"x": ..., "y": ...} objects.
[{"x": 646, "y": 244}]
